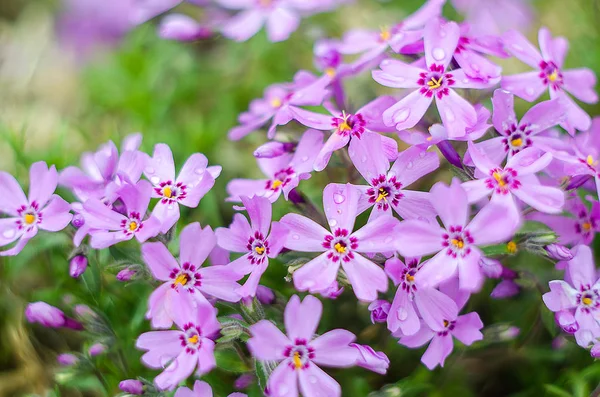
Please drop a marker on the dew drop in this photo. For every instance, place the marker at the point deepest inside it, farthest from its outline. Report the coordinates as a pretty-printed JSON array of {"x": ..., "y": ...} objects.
[
  {"x": 438, "y": 54},
  {"x": 332, "y": 222},
  {"x": 422, "y": 154},
  {"x": 449, "y": 115},
  {"x": 401, "y": 115},
  {"x": 338, "y": 198},
  {"x": 8, "y": 233},
  {"x": 363, "y": 159},
  {"x": 296, "y": 237},
  {"x": 155, "y": 180},
  {"x": 402, "y": 314},
  {"x": 170, "y": 207},
  {"x": 475, "y": 67},
  {"x": 312, "y": 379},
  {"x": 199, "y": 171}
]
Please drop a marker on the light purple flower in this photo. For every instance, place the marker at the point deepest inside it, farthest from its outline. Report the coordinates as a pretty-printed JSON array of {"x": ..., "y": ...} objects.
[
  {"x": 108, "y": 227},
  {"x": 495, "y": 16},
  {"x": 279, "y": 104},
  {"x": 77, "y": 266},
  {"x": 42, "y": 209},
  {"x": 470, "y": 50},
  {"x": 49, "y": 316},
  {"x": 253, "y": 240},
  {"x": 491, "y": 268},
  {"x": 194, "y": 181},
  {"x": 370, "y": 359},
  {"x": 530, "y": 131},
  {"x": 67, "y": 359},
  {"x": 558, "y": 252},
  {"x": 265, "y": 295},
  {"x": 181, "y": 351},
  {"x": 581, "y": 293},
  {"x": 132, "y": 386},
  {"x": 433, "y": 305},
  {"x": 186, "y": 278},
  {"x": 96, "y": 349},
  {"x": 126, "y": 274},
  {"x": 201, "y": 389},
  {"x": 455, "y": 245},
  {"x": 465, "y": 328},
  {"x": 300, "y": 353},
  {"x": 505, "y": 289},
  {"x": 516, "y": 178},
  {"x": 273, "y": 149},
  {"x": 283, "y": 172},
  {"x": 379, "y": 311},
  {"x": 549, "y": 73},
  {"x": 566, "y": 320},
  {"x": 182, "y": 27},
  {"x": 440, "y": 40},
  {"x": 341, "y": 246},
  {"x": 387, "y": 186}
]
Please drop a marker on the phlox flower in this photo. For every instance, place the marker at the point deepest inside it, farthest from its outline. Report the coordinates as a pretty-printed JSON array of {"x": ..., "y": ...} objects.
[
  {"x": 108, "y": 227},
  {"x": 386, "y": 190},
  {"x": 517, "y": 178},
  {"x": 49, "y": 316},
  {"x": 581, "y": 294},
  {"x": 258, "y": 241},
  {"x": 530, "y": 131},
  {"x": 300, "y": 353},
  {"x": 194, "y": 181},
  {"x": 370, "y": 359},
  {"x": 201, "y": 389},
  {"x": 549, "y": 73},
  {"x": 434, "y": 82},
  {"x": 186, "y": 278},
  {"x": 181, "y": 351},
  {"x": 456, "y": 244},
  {"x": 41, "y": 209},
  {"x": 284, "y": 172},
  {"x": 469, "y": 54},
  {"x": 341, "y": 246},
  {"x": 412, "y": 302},
  {"x": 279, "y": 104},
  {"x": 466, "y": 328}
]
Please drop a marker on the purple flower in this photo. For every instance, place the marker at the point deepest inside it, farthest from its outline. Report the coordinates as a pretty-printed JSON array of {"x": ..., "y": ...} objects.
[
  {"x": 581, "y": 294},
  {"x": 193, "y": 182},
  {"x": 530, "y": 131},
  {"x": 469, "y": 54},
  {"x": 370, "y": 359},
  {"x": 182, "y": 27},
  {"x": 274, "y": 149},
  {"x": 440, "y": 40},
  {"x": 495, "y": 16},
  {"x": 77, "y": 266},
  {"x": 201, "y": 389},
  {"x": 340, "y": 246},
  {"x": 42, "y": 209},
  {"x": 379, "y": 311},
  {"x": 265, "y": 295},
  {"x": 300, "y": 353},
  {"x": 465, "y": 328},
  {"x": 181, "y": 351},
  {"x": 516, "y": 178},
  {"x": 126, "y": 274},
  {"x": 433, "y": 305},
  {"x": 49, "y": 316},
  {"x": 595, "y": 350},
  {"x": 491, "y": 268},
  {"x": 505, "y": 289},
  {"x": 186, "y": 278},
  {"x": 548, "y": 73},
  {"x": 96, "y": 349},
  {"x": 280, "y": 103},
  {"x": 253, "y": 240},
  {"x": 132, "y": 386},
  {"x": 67, "y": 359},
  {"x": 283, "y": 173},
  {"x": 558, "y": 252},
  {"x": 244, "y": 381},
  {"x": 386, "y": 190},
  {"x": 456, "y": 244},
  {"x": 349, "y": 127},
  {"x": 108, "y": 227}
]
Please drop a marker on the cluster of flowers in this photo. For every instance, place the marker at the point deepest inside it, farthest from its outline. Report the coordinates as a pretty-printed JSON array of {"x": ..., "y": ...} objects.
[{"x": 528, "y": 173}]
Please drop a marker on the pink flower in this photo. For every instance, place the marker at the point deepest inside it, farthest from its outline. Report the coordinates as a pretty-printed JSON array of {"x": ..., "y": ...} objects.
[
  {"x": 253, "y": 240},
  {"x": 300, "y": 353},
  {"x": 193, "y": 182},
  {"x": 201, "y": 389},
  {"x": 370, "y": 359},
  {"x": 470, "y": 50},
  {"x": 49, "y": 316},
  {"x": 186, "y": 278},
  {"x": 341, "y": 246},
  {"x": 42, "y": 209},
  {"x": 379, "y": 311},
  {"x": 180, "y": 352}
]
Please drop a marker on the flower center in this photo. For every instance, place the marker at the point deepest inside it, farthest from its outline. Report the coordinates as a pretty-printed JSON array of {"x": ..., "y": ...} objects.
[
  {"x": 516, "y": 142},
  {"x": 457, "y": 241},
  {"x": 511, "y": 247},
  {"x": 182, "y": 279},
  {"x": 167, "y": 192},
  {"x": 587, "y": 226},
  {"x": 193, "y": 340},
  {"x": 590, "y": 160},
  {"x": 297, "y": 361},
  {"x": 133, "y": 226},
  {"x": 29, "y": 218},
  {"x": 385, "y": 192},
  {"x": 186, "y": 277},
  {"x": 589, "y": 300},
  {"x": 330, "y": 72},
  {"x": 435, "y": 82},
  {"x": 410, "y": 278},
  {"x": 340, "y": 245},
  {"x": 300, "y": 354},
  {"x": 385, "y": 34},
  {"x": 551, "y": 74},
  {"x": 258, "y": 248},
  {"x": 349, "y": 124},
  {"x": 503, "y": 180},
  {"x": 382, "y": 195},
  {"x": 280, "y": 179},
  {"x": 517, "y": 138}
]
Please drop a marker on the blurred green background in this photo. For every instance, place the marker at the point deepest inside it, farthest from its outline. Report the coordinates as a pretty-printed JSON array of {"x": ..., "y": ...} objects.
[{"x": 188, "y": 95}]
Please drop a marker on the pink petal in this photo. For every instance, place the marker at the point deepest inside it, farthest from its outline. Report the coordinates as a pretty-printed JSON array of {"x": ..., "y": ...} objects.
[
  {"x": 305, "y": 235},
  {"x": 161, "y": 167},
  {"x": 580, "y": 83},
  {"x": 277, "y": 238},
  {"x": 267, "y": 342},
  {"x": 136, "y": 197},
  {"x": 220, "y": 282},
  {"x": 528, "y": 86},
  {"x": 102, "y": 239},
  {"x": 469, "y": 271},
  {"x": 151, "y": 228},
  {"x": 467, "y": 328},
  {"x": 332, "y": 349},
  {"x": 281, "y": 23},
  {"x": 259, "y": 210},
  {"x": 306, "y": 152},
  {"x": 407, "y": 112},
  {"x": 42, "y": 182},
  {"x": 394, "y": 268},
  {"x": 11, "y": 194},
  {"x": 243, "y": 26},
  {"x": 159, "y": 260},
  {"x": 159, "y": 306},
  {"x": 315, "y": 382},
  {"x": 577, "y": 118},
  {"x": 503, "y": 116},
  {"x": 167, "y": 214},
  {"x": 235, "y": 238},
  {"x": 546, "y": 199},
  {"x": 9, "y": 231},
  {"x": 196, "y": 244},
  {"x": 435, "y": 308},
  {"x": 283, "y": 381},
  {"x": 56, "y": 215},
  {"x": 415, "y": 205},
  {"x": 412, "y": 164},
  {"x": 402, "y": 315},
  {"x": 457, "y": 114},
  {"x": 581, "y": 268},
  {"x": 310, "y": 119},
  {"x": 377, "y": 235},
  {"x": 561, "y": 296},
  {"x": 373, "y": 115},
  {"x": 367, "y": 156},
  {"x": 237, "y": 188},
  {"x": 476, "y": 190},
  {"x": 492, "y": 148},
  {"x": 193, "y": 170},
  {"x": 440, "y": 40},
  {"x": 451, "y": 203},
  {"x": 340, "y": 203},
  {"x": 418, "y": 238},
  {"x": 251, "y": 284},
  {"x": 366, "y": 278},
  {"x": 335, "y": 142},
  {"x": 178, "y": 370},
  {"x": 522, "y": 49},
  {"x": 98, "y": 216},
  {"x": 436, "y": 270},
  {"x": 439, "y": 348},
  {"x": 545, "y": 115},
  {"x": 419, "y": 339},
  {"x": 302, "y": 318},
  {"x": 162, "y": 346},
  {"x": 316, "y": 275},
  {"x": 397, "y": 74},
  {"x": 481, "y": 161},
  {"x": 493, "y": 224}
]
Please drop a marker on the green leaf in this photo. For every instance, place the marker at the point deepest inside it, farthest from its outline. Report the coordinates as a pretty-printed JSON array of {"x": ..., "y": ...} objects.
[
  {"x": 552, "y": 390},
  {"x": 229, "y": 360}
]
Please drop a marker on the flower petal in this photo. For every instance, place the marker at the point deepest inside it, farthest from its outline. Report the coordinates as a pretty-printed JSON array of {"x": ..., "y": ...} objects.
[
  {"x": 418, "y": 238},
  {"x": 159, "y": 260},
  {"x": 340, "y": 203},
  {"x": 457, "y": 114},
  {"x": 435, "y": 308},
  {"x": 315, "y": 382},
  {"x": 332, "y": 349},
  {"x": 440, "y": 39},
  {"x": 11, "y": 194},
  {"x": 302, "y": 318},
  {"x": 408, "y": 111},
  {"x": 366, "y": 278},
  {"x": 305, "y": 235},
  {"x": 267, "y": 341}
]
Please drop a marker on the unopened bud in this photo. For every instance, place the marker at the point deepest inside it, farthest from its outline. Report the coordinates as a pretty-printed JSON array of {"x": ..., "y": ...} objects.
[
  {"x": 558, "y": 252},
  {"x": 77, "y": 266},
  {"x": 126, "y": 274},
  {"x": 273, "y": 149},
  {"x": 132, "y": 386},
  {"x": 96, "y": 349},
  {"x": 67, "y": 359}
]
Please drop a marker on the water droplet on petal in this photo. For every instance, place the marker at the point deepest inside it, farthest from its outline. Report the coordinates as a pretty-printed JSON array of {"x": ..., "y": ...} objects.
[
  {"x": 305, "y": 158},
  {"x": 338, "y": 198},
  {"x": 422, "y": 154},
  {"x": 199, "y": 171},
  {"x": 170, "y": 207},
  {"x": 283, "y": 390},
  {"x": 312, "y": 379},
  {"x": 475, "y": 67},
  {"x": 296, "y": 237},
  {"x": 332, "y": 222},
  {"x": 364, "y": 159},
  {"x": 155, "y": 180},
  {"x": 401, "y": 115},
  {"x": 402, "y": 314},
  {"x": 8, "y": 233},
  {"x": 438, "y": 54}
]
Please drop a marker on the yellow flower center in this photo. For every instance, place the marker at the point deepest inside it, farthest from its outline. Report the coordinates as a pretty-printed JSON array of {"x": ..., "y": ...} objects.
[
  {"x": 410, "y": 278},
  {"x": 382, "y": 195},
  {"x": 330, "y": 72},
  {"x": 276, "y": 183},
  {"x": 587, "y": 226},
  {"x": 433, "y": 83},
  {"x": 590, "y": 160},
  {"x": 499, "y": 178},
  {"x": 553, "y": 76},
  {"x": 511, "y": 247},
  {"x": 297, "y": 361},
  {"x": 167, "y": 192},
  {"x": 133, "y": 226},
  {"x": 259, "y": 250},
  {"x": 587, "y": 301},
  {"x": 517, "y": 142},
  {"x": 340, "y": 248},
  {"x": 446, "y": 323},
  {"x": 193, "y": 340},
  {"x": 275, "y": 102},
  {"x": 458, "y": 242},
  {"x": 29, "y": 219},
  {"x": 182, "y": 279},
  {"x": 385, "y": 34}
]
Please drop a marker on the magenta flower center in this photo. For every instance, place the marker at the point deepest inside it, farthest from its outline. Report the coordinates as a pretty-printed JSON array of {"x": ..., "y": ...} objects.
[
  {"x": 258, "y": 248},
  {"x": 300, "y": 354},
  {"x": 384, "y": 192},
  {"x": 591, "y": 162},
  {"x": 463, "y": 44},
  {"x": 185, "y": 277},
  {"x": 280, "y": 179},
  {"x": 589, "y": 299},
  {"x": 132, "y": 224},
  {"x": 585, "y": 224},
  {"x": 503, "y": 180},
  {"x": 517, "y": 138},
  {"x": 457, "y": 241},
  {"x": 171, "y": 192},
  {"x": 448, "y": 326},
  {"x": 435, "y": 82},
  {"x": 191, "y": 338},
  {"x": 29, "y": 216},
  {"x": 340, "y": 245},
  {"x": 408, "y": 278},
  {"x": 551, "y": 75},
  {"x": 349, "y": 124}
]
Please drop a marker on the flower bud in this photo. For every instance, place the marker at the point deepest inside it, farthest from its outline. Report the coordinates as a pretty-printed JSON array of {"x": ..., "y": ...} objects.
[
  {"x": 126, "y": 274},
  {"x": 595, "y": 350},
  {"x": 265, "y": 295},
  {"x": 577, "y": 181},
  {"x": 78, "y": 221},
  {"x": 559, "y": 342},
  {"x": 77, "y": 266},
  {"x": 491, "y": 268},
  {"x": 273, "y": 149},
  {"x": 84, "y": 311},
  {"x": 510, "y": 333},
  {"x": 96, "y": 349},
  {"x": 45, "y": 314},
  {"x": 243, "y": 381},
  {"x": 379, "y": 311},
  {"x": 370, "y": 359},
  {"x": 132, "y": 386},
  {"x": 67, "y": 359},
  {"x": 450, "y": 153},
  {"x": 558, "y": 252},
  {"x": 505, "y": 289}
]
